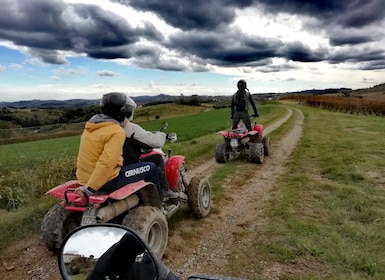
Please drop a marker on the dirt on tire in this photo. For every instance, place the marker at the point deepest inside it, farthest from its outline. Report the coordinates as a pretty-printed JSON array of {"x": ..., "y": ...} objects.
[
  {"x": 208, "y": 241},
  {"x": 150, "y": 223},
  {"x": 57, "y": 223},
  {"x": 199, "y": 196},
  {"x": 256, "y": 151}
]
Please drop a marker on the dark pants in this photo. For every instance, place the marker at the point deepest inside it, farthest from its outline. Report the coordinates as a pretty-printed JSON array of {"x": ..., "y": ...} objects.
[
  {"x": 244, "y": 115},
  {"x": 131, "y": 173},
  {"x": 158, "y": 160}
]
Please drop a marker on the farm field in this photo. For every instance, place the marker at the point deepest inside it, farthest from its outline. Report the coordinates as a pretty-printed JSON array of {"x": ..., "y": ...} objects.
[{"x": 312, "y": 210}]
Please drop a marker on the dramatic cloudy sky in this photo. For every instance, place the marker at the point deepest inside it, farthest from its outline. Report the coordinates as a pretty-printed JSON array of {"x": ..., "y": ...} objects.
[{"x": 66, "y": 49}]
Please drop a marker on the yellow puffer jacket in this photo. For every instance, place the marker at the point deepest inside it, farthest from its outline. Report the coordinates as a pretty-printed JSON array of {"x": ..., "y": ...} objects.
[{"x": 100, "y": 152}]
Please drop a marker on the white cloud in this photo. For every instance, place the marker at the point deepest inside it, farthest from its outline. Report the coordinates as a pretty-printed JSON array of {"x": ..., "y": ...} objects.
[
  {"x": 54, "y": 78},
  {"x": 106, "y": 73},
  {"x": 15, "y": 66},
  {"x": 78, "y": 70}
]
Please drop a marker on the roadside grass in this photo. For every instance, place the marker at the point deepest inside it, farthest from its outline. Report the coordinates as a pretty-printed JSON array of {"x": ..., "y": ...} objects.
[
  {"x": 28, "y": 170},
  {"x": 283, "y": 129},
  {"x": 326, "y": 213}
]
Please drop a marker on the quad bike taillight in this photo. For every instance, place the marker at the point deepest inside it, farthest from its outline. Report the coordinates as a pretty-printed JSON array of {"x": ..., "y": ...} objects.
[{"x": 96, "y": 205}]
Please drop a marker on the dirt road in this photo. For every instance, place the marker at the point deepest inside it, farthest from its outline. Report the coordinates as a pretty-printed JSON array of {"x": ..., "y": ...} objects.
[
  {"x": 194, "y": 246},
  {"x": 244, "y": 210}
]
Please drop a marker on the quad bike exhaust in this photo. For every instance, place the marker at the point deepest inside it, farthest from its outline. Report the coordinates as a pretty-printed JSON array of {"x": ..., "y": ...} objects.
[{"x": 114, "y": 209}]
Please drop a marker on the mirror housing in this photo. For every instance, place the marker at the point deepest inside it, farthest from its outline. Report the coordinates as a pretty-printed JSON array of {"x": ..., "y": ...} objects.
[
  {"x": 112, "y": 251},
  {"x": 106, "y": 250}
]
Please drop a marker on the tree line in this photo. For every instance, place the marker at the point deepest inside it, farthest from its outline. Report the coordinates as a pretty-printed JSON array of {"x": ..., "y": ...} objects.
[
  {"x": 12, "y": 117},
  {"x": 33, "y": 117}
]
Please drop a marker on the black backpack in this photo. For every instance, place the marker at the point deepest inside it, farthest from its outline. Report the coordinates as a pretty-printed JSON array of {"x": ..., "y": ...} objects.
[{"x": 240, "y": 100}]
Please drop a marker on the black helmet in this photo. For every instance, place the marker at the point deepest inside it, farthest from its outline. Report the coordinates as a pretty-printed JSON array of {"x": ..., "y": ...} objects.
[
  {"x": 117, "y": 105},
  {"x": 241, "y": 85}
]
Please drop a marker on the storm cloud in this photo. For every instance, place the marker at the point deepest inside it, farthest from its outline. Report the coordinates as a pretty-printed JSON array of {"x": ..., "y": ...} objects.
[{"x": 205, "y": 34}]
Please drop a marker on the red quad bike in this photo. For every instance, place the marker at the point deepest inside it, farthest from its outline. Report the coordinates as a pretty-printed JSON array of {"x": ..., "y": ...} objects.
[
  {"x": 240, "y": 142},
  {"x": 136, "y": 205}
]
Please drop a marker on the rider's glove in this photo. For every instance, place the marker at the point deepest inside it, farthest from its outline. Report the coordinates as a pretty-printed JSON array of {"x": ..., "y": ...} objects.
[
  {"x": 256, "y": 115},
  {"x": 89, "y": 191},
  {"x": 171, "y": 137},
  {"x": 84, "y": 191}
]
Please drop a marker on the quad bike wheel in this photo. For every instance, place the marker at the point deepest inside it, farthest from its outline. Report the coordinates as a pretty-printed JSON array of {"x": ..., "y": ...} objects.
[
  {"x": 150, "y": 223},
  {"x": 256, "y": 153},
  {"x": 199, "y": 196},
  {"x": 57, "y": 223},
  {"x": 221, "y": 156},
  {"x": 266, "y": 145}
]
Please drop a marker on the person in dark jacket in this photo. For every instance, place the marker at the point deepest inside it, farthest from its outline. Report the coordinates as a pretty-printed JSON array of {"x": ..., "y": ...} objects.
[
  {"x": 239, "y": 105},
  {"x": 138, "y": 139}
]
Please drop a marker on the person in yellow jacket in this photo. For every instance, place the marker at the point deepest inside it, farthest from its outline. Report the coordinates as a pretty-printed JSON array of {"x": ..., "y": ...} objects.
[{"x": 100, "y": 161}]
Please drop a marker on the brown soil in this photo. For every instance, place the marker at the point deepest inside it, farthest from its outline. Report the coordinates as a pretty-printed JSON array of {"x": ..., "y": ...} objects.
[{"x": 193, "y": 244}]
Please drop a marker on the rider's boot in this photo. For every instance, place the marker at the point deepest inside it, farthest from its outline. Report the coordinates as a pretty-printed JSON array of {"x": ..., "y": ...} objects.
[
  {"x": 166, "y": 192},
  {"x": 169, "y": 194}
]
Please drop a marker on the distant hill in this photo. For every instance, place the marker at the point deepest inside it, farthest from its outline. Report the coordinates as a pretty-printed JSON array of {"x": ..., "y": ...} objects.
[
  {"x": 37, "y": 103},
  {"x": 376, "y": 88},
  {"x": 80, "y": 103},
  {"x": 323, "y": 91},
  {"x": 83, "y": 103},
  {"x": 164, "y": 98}
]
